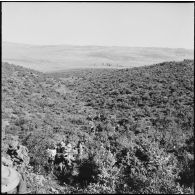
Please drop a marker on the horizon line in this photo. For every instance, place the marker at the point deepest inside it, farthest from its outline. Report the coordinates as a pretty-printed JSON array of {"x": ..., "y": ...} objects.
[{"x": 88, "y": 45}]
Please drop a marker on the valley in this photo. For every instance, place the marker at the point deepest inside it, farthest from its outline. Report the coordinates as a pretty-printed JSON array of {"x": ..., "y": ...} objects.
[{"x": 136, "y": 126}]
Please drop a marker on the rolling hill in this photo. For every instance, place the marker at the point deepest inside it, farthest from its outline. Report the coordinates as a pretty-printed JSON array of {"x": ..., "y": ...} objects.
[{"x": 61, "y": 57}]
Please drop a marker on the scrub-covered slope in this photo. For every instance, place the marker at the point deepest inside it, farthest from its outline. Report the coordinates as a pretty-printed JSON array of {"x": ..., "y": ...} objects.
[
  {"x": 146, "y": 105},
  {"x": 135, "y": 127},
  {"x": 38, "y": 111}
]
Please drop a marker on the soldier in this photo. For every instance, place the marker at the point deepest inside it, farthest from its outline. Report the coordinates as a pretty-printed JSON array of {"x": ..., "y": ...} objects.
[
  {"x": 51, "y": 154},
  {"x": 63, "y": 145},
  {"x": 58, "y": 149},
  {"x": 6, "y": 161},
  {"x": 69, "y": 154},
  {"x": 80, "y": 150}
]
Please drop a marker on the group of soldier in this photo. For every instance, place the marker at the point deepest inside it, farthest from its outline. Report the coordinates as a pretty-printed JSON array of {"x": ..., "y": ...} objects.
[{"x": 63, "y": 155}]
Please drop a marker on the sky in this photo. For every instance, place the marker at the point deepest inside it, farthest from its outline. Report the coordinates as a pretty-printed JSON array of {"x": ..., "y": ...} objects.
[{"x": 107, "y": 24}]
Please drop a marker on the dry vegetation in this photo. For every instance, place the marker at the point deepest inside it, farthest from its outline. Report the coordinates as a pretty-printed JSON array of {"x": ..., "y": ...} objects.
[{"x": 142, "y": 139}]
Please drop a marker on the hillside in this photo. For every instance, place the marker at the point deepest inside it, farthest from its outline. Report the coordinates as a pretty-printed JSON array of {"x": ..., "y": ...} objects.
[
  {"x": 38, "y": 111},
  {"x": 136, "y": 126},
  {"x": 60, "y": 57}
]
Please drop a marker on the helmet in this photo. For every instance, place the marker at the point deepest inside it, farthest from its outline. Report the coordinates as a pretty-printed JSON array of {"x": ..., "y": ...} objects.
[{"x": 10, "y": 179}]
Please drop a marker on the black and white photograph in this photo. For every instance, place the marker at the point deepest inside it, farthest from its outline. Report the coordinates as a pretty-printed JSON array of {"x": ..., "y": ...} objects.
[{"x": 97, "y": 97}]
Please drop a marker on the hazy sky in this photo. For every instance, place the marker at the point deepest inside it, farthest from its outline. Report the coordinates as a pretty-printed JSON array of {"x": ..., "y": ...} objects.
[{"x": 117, "y": 24}]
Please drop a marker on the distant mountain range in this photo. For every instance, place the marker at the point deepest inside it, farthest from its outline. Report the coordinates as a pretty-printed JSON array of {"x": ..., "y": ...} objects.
[{"x": 61, "y": 57}]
